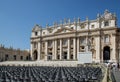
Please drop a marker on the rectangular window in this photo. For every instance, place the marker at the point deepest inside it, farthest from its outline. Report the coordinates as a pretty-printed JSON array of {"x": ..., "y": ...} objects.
[
  {"x": 35, "y": 45},
  {"x": 43, "y": 32},
  {"x": 27, "y": 57},
  {"x": 43, "y": 44},
  {"x": 106, "y": 23},
  {"x": 82, "y": 26},
  {"x": 14, "y": 57},
  {"x": 92, "y": 26},
  {"x": 106, "y": 39},
  {"x": 21, "y": 57},
  {"x": 65, "y": 42},
  {"x": 50, "y": 43},
  {"x": 83, "y": 40},
  {"x": 89, "y": 47},
  {"x": 6, "y": 57},
  {"x": 58, "y": 42},
  {"x": 71, "y": 41},
  {"x": 36, "y": 33},
  {"x": 71, "y": 56},
  {"x": 71, "y": 27},
  {"x": 58, "y": 56}
]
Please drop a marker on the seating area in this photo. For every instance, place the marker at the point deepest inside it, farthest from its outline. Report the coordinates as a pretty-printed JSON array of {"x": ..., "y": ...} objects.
[
  {"x": 50, "y": 74},
  {"x": 40, "y": 63}
]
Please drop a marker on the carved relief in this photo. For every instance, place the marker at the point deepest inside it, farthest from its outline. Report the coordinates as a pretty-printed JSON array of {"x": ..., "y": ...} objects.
[
  {"x": 82, "y": 26},
  {"x": 50, "y": 30},
  {"x": 63, "y": 30}
]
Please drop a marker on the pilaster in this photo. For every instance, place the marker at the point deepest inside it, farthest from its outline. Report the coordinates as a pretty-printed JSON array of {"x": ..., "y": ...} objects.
[
  {"x": 98, "y": 49},
  {"x": 74, "y": 48},
  {"x": 78, "y": 44},
  {"x": 39, "y": 50},
  {"x": 55, "y": 52},
  {"x": 60, "y": 49},
  {"x": 46, "y": 50},
  {"x": 114, "y": 50},
  {"x": 86, "y": 49},
  {"x": 68, "y": 53},
  {"x": 31, "y": 51}
]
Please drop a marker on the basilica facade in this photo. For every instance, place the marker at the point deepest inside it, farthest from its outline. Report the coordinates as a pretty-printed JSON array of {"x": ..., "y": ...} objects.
[{"x": 65, "y": 40}]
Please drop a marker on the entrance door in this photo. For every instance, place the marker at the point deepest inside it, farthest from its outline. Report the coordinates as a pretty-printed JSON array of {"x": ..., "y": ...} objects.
[
  {"x": 35, "y": 55},
  {"x": 106, "y": 54},
  {"x": 65, "y": 55}
]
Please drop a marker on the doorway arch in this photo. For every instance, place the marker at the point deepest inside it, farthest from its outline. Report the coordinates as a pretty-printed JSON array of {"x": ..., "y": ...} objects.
[
  {"x": 35, "y": 55},
  {"x": 106, "y": 54}
]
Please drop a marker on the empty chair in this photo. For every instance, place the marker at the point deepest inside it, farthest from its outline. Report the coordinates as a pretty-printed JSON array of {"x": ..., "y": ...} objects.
[{"x": 49, "y": 74}]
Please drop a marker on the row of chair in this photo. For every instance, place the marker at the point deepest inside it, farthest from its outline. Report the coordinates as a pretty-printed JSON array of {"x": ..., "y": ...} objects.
[{"x": 49, "y": 74}]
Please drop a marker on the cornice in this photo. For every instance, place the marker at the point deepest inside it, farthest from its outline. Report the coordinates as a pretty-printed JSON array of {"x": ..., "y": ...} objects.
[{"x": 75, "y": 33}]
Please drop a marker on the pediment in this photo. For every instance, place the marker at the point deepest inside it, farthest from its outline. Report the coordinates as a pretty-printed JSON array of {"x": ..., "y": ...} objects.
[{"x": 64, "y": 30}]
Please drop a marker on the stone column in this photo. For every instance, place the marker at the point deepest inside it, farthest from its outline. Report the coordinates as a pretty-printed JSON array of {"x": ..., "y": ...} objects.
[
  {"x": 68, "y": 53},
  {"x": 101, "y": 55},
  {"x": 74, "y": 48},
  {"x": 98, "y": 49},
  {"x": 86, "y": 49},
  {"x": 60, "y": 49},
  {"x": 31, "y": 51},
  {"x": 39, "y": 50},
  {"x": 46, "y": 50},
  {"x": 119, "y": 56},
  {"x": 55, "y": 50},
  {"x": 111, "y": 56},
  {"x": 114, "y": 50},
  {"x": 78, "y": 44}
]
